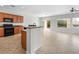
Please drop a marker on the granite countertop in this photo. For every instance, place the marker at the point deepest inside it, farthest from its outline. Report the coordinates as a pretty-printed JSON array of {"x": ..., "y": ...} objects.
[
  {"x": 13, "y": 26},
  {"x": 1, "y": 26},
  {"x": 30, "y": 27},
  {"x": 16, "y": 25}
]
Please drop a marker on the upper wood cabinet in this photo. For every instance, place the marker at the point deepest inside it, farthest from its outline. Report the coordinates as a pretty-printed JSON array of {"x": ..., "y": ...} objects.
[
  {"x": 20, "y": 19},
  {"x": 1, "y": 17},
  {"x": 16, "y": 18},
  {"x": 8, "y": 16}
]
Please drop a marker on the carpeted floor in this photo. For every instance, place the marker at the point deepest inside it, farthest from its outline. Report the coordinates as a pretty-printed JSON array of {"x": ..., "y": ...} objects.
[{"x": 11, "y": 45}]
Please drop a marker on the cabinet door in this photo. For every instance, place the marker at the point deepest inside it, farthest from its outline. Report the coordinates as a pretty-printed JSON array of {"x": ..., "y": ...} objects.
[
  {"x": 1, "y": 17},
  {"x": 18, "y": 19},
  {"x": 21, "y": 19},
  {"x": 20, "y": 29},
  {"x": 1, "y": 32},
  {"x": 14, "y": 18},
  {"x": 23, "y": 39},
  {"x": 16, "y": 30},
  {"x": 8, "y": 16},
  {"x": 5, "y": 15}
]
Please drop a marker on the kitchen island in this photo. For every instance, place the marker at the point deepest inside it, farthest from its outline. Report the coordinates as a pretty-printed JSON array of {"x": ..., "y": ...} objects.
[{"x": 33, "y": 38}]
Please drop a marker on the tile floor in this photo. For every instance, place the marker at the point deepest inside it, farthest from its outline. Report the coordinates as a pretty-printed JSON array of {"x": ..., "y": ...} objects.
[
  {"x": 11, "y": 45},
  {"x": 59, "y": 43}
]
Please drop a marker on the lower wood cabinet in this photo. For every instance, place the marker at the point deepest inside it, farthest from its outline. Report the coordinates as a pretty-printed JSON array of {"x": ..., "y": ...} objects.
[
  {"x": 18, "y": 29},
  {"x": 23, "y": 39},
  {"x": 1, "y": 32}
]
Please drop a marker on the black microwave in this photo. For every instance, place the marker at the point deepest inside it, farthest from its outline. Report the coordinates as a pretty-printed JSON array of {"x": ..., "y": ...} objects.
[{"x": 8, "y": 20}]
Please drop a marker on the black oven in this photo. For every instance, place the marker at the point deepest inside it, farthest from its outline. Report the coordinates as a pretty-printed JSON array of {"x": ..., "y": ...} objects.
[
  {"x": 8, "y": 30},
  {"x": 8, "y": 20}
]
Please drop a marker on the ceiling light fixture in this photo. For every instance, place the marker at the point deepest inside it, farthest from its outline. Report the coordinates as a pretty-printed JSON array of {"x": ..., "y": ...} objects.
[{"x": 73, "y": 10}]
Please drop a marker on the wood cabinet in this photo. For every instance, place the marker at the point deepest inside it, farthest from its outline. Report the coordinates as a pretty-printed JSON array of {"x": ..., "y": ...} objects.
[
  {"x": 1, "y": 31},
  {"x": 16, "y": 18},
  {"x": 1, "y": 17},
  {"x": 19, "y": 19},
  {"x": 23, "y": 39},
  {"x": 18, "y": 29},
  {"x": 8, "y": 15}
]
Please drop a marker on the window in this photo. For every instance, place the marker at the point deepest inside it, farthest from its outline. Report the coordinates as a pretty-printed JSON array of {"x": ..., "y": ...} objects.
[
  {"x": 61, "y": 23},
  {"x": 75, "y": 22},
  {"x": 48, "y": 23}
]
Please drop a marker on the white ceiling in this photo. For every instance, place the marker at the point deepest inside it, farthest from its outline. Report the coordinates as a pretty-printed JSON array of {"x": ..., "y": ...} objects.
[{"x": 38, "y": 10}]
